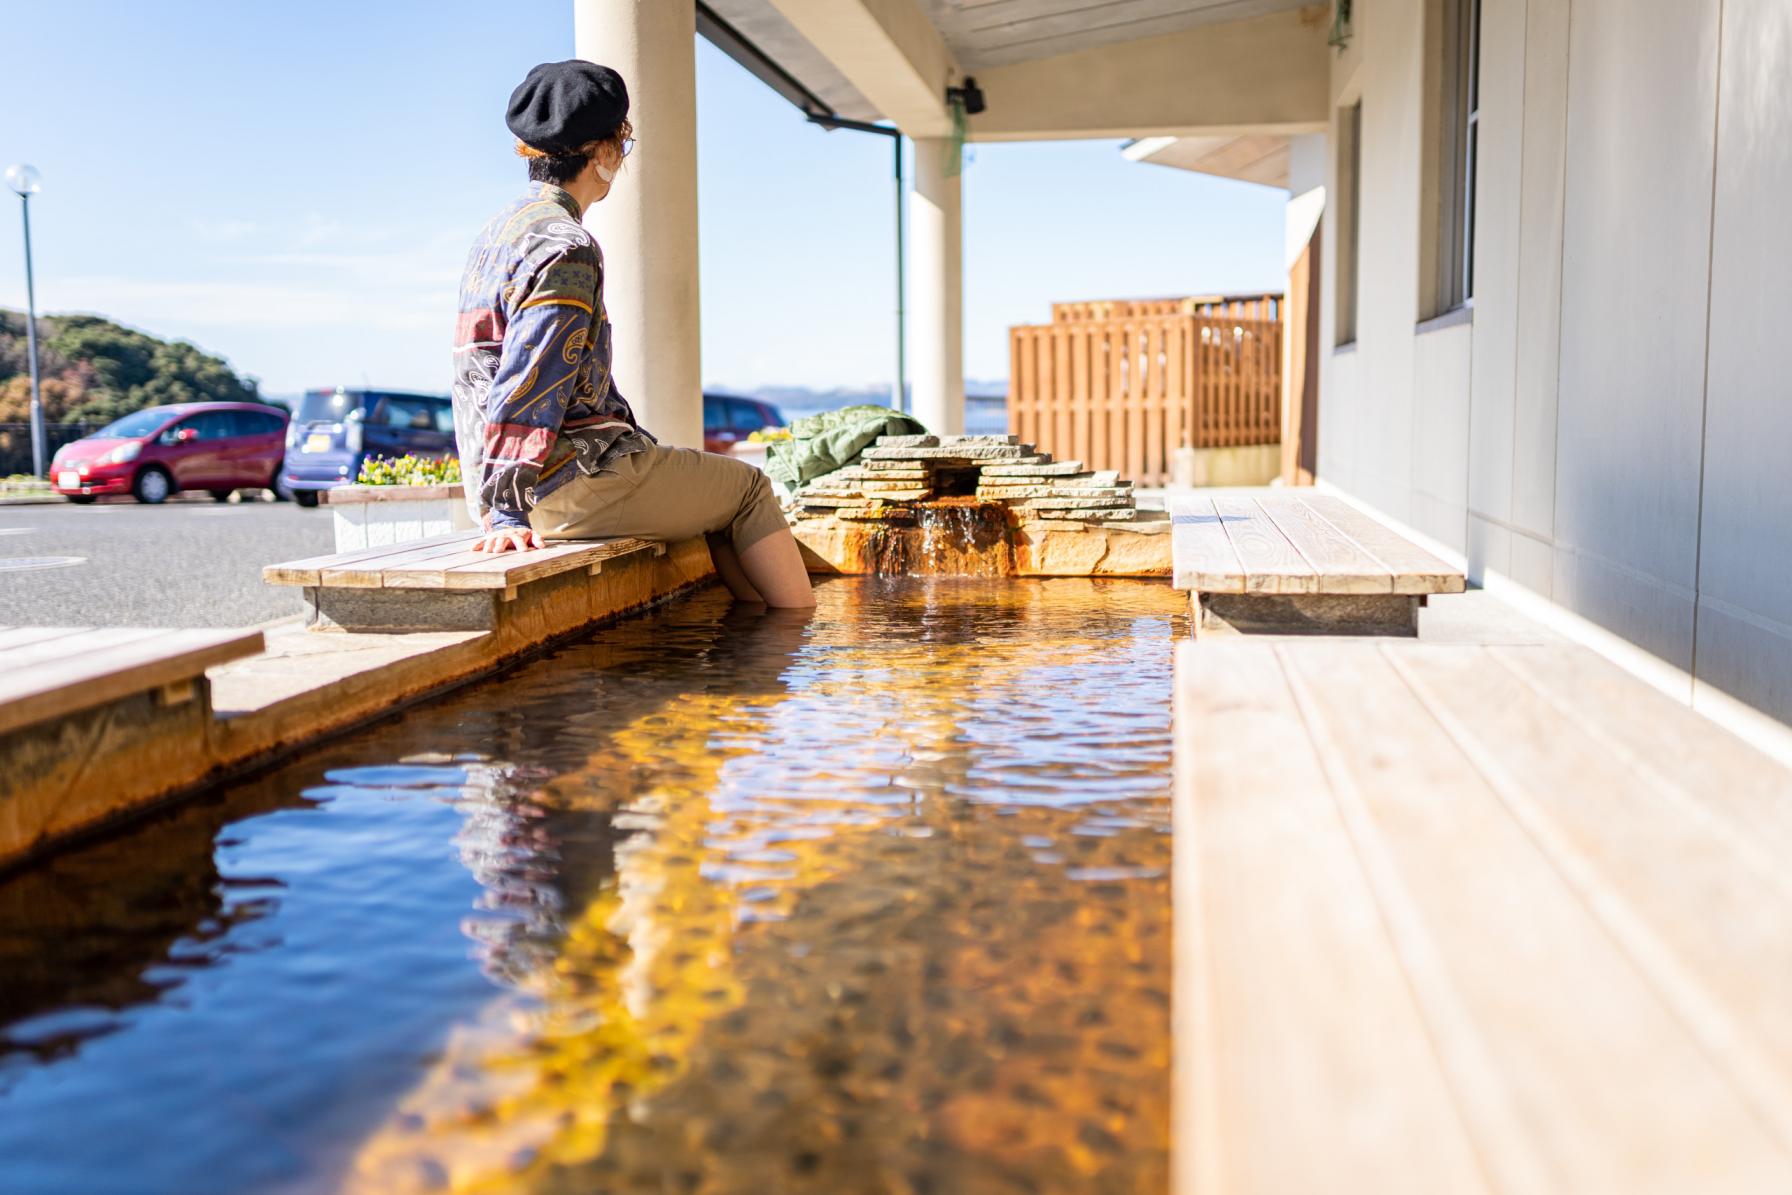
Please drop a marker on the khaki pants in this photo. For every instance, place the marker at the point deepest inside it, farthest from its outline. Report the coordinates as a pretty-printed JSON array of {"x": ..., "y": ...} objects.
[{"x": 665, "y": 494}]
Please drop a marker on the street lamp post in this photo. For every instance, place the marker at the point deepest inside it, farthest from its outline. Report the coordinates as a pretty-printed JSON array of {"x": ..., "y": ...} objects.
[{"x": 26, "y": 182}]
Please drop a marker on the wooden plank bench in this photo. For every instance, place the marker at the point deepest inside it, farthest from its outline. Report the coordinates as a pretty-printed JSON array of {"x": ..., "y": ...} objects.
[
  {"x": 440, "y": 583},
  {"x": 1473, "y": 919},
  {"x": 1290, "y": 563},
  {"x": 53, "y": 672},
  {"x": 95, "y": 723}
]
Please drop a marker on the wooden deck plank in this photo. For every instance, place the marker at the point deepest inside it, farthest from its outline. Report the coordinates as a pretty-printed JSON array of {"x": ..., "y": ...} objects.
[
  {"x": 371, "y": 573},
  {"x": 1732, "y": 779},
  {"x": 1203, "y": 558},
  {"x": 305, "y": 571},
  {"x": 1302, "y": 1061},
  {"x": 1342, "y": 565},
  {"x": 13, "y": 638},
  {"x": 1574, "y": 1072},
  {"x": 121, "y": 668},
  {"x": 1414, "y": 569},
  {"x": 1271, "y": 564},
  {"x": 486, "y": 568},
  {"x": 429, "y": 574},
  {"x": 501, "y": 574},
  {"x": 67, "y": 649},
  {"x": 1701, "y": 902}
]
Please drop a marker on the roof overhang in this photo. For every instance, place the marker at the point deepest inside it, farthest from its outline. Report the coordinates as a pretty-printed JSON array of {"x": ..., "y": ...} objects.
[{"x": 888, "y": 60}]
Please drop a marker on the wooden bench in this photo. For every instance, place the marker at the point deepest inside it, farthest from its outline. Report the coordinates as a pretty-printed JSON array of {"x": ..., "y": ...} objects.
[
  {"x": 93, "y": 722},
  {"x": 441, "y": 584},
  {"x": 1299, "y": 562},
  {"x": 53, "y": 672},
  {"x": 1473, "y": 919}
]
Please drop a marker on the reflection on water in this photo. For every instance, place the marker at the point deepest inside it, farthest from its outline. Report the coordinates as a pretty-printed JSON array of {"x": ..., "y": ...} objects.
[{"x": 719, "y": 902}]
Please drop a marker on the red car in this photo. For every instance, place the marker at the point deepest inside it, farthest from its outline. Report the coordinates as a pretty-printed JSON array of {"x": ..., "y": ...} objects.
[
  {"x": 729, "y": 419},
  {"x": 218, "y": 447}
]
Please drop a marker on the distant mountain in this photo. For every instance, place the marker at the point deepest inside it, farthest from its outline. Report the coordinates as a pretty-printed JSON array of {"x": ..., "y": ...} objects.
[{"x": 807, "y": 398}]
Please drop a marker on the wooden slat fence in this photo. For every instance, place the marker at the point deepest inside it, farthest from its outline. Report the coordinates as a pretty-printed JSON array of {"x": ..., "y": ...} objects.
[
  {"x": 1126, "y": 392},
  {"x": 1252, "y": 306}
]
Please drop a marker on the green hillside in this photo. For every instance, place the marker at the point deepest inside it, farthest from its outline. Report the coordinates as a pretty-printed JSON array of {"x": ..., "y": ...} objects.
[{"x": 94, "y": 370}]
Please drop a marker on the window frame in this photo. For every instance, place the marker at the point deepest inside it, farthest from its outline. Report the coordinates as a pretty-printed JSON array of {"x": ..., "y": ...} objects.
[
  {"x": 1451, "y": 164},
  {"x": 1347, "y": 257}
]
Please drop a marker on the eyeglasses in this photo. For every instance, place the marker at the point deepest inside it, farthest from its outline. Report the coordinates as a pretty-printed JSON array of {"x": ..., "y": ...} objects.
[{"x": 628, "y": 146}]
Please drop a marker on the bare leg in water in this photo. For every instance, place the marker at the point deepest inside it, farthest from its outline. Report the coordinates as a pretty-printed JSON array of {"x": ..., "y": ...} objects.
[{"x": 770, "y": 572}]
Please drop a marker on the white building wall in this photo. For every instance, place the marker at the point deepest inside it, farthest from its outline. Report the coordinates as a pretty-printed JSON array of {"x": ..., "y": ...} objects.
[
  {"x": 1744, "y": 628},
  {"x": 1607, "y": 430}
]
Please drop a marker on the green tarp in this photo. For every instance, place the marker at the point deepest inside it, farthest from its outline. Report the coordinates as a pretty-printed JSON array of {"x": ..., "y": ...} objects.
[{"x": 821, "y": 443}]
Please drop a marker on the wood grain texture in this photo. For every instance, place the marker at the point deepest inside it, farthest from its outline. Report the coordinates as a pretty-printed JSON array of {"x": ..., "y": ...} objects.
[
  {"x": 1302, "y": 1061},
  {"x": 13, "y": 638},
  {"x": 1596, "y": 937},
  {"x": 448, "y": 562},
  {"x": 1340, "y": 563},
  {"x": 1414, "y": 569},
  {"x": 371, "y": 573},
  {"x": 102, "y": 666},
  {"x": 308, "y": 570},
  {"x": 1286, "y": 544},
  {"x": 1203, "y": 558},
  {"x": 556, "y": 558},
  {"x": 1271, "y": 564}
]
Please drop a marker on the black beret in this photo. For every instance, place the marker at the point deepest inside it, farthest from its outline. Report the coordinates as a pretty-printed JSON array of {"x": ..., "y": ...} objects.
[{"x": 563, "y": 105}]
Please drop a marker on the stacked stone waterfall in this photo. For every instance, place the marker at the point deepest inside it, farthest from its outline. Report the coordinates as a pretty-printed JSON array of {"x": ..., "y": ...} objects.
[{"x": 899, "y": 471}]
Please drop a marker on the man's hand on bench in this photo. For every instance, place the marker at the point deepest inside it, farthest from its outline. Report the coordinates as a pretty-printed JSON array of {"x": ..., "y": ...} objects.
[{"x": 509, "y": 539}]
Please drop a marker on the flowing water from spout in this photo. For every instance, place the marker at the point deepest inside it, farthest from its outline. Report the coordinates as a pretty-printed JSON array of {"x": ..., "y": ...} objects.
[
  {"x": 964, "y": 537},
  {"x": 875, "y": 901}
]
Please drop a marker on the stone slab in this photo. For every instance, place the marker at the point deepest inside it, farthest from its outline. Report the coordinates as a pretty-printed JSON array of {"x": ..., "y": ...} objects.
[
  {"x": 897, "y": 465},
  {"x": 1126, "y": 515},
  {"x": 847, "y": 499},
  {"x": 1053, "y": 491},
  {"x": 1037, "y": 548},
  {"x": 970, "y": 453},
  {"x": 908, "y": 441},
  {"x": 1045, "y": 466},
  {"x": 1063, "y": 503},
  {"x": 855, "y": 473},
  {"x": 955, "y": 441}
]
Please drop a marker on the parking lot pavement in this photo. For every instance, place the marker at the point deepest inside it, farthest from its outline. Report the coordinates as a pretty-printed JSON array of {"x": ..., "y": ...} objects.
[{"x": 186, "y": 563}]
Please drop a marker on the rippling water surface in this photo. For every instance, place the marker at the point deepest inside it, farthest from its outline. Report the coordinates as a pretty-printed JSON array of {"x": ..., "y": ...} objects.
[{"x": 716, "y": 902}]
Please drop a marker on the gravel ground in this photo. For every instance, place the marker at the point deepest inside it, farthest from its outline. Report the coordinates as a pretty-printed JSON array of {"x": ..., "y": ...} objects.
[{"x": 186, "y": 563}]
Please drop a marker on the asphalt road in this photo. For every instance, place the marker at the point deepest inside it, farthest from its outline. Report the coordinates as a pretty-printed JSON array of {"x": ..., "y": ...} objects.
[{"x": 185, "y": 563}]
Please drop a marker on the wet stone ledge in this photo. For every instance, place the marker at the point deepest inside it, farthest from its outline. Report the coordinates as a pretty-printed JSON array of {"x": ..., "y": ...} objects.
[{"x": 975, "y": 506}]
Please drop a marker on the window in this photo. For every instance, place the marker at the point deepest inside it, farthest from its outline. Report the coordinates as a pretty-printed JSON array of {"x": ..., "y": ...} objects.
[
  {"x": 207, "y": 425},
  {"x": 215, "y": 425},
  {"x": 1350, "y": 169},
  {"x": 141, "y": 423},
  {"x": 411, "y": 412},
  {"x": 255, "y": 423},
  {"x": 744, "y": 415},
  {"x": 1453, "y": 117}
]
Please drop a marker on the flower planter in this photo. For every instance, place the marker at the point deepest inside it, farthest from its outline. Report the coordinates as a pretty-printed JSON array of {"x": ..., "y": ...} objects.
[{"x": 376, "y": 516}]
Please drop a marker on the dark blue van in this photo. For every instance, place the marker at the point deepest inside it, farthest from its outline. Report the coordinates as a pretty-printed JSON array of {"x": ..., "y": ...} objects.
[{"x": 333, "y": 431}]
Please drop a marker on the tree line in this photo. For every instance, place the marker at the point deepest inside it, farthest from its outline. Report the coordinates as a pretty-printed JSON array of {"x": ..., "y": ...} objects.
[{"x": 93, "y": 371}]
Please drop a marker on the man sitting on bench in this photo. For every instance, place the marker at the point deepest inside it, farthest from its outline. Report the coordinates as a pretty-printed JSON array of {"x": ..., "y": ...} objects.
[{"x": 549, "y": 448}]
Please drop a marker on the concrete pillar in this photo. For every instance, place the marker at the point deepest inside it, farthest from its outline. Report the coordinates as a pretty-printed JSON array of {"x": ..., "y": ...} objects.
[
  {"x": 647, "y": 225},
  {"x": 936, "y": 295}
]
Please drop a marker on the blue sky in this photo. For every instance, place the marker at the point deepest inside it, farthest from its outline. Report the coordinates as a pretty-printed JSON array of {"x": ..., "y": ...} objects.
[{"x": 294, "y": 186}]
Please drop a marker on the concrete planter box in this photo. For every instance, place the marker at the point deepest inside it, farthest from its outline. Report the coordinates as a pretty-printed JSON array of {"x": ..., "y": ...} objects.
[{"x": 376, "y": 516}]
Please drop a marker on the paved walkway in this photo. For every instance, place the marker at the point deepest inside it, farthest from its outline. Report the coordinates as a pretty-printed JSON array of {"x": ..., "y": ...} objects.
[{"x": 183, "y": 564}]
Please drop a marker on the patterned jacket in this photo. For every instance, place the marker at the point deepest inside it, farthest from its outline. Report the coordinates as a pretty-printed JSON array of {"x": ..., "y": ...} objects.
[{"x": 533, "y": 397}]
